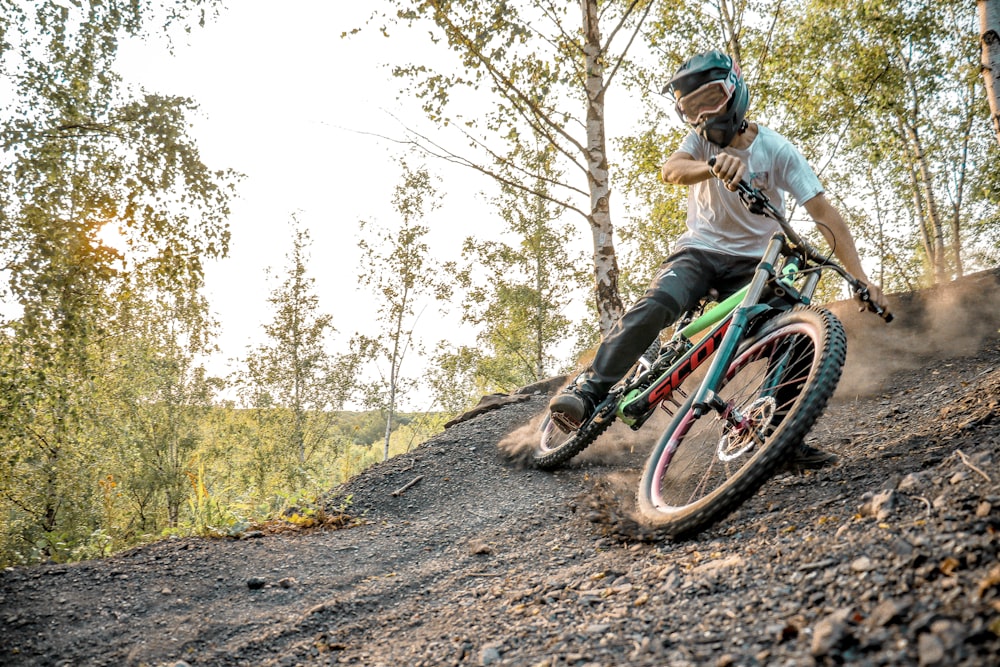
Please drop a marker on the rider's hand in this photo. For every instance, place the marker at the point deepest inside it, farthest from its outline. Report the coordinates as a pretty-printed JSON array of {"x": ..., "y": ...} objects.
[
  {"x": 729, "y": 169},
  {"x": 876, "y": 297}
]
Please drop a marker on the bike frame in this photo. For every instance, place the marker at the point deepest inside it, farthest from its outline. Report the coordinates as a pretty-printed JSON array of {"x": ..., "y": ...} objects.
[{"x": 731, "y": 318}]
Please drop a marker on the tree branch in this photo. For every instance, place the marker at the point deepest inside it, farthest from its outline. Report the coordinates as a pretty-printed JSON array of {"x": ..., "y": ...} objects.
[
  {"x": 621, "y": 24},
  {"x": 509, "y": 88},
  {"x": 431, "y": 148}
]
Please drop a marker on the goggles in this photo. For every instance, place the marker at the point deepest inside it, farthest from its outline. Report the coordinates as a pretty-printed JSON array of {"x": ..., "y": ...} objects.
[{"x": 706, "y": 101}]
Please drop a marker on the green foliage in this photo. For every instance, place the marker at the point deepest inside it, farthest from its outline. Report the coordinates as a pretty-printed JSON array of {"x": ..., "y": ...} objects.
[
  {"x": 291, "y": 382},
  {"x": 904, "y": 102},
  {"x": 458, "y": 376},
  {"x": 123, "y": 499},
  {"x": 516, "y": 294},
  {"x": 884, "y": 98},
  {"x": 92, "y": 392},
  {"x": 398, "y": 268}
]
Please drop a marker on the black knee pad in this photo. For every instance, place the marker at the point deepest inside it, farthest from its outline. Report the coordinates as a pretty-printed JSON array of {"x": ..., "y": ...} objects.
[{"x": 668, "y": 304}]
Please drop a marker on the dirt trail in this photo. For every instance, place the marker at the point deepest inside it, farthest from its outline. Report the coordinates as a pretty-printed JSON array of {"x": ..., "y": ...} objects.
[{"x": 892, "y": 557}]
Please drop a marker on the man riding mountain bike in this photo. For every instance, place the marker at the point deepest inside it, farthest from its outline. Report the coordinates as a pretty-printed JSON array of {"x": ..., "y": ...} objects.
[{"x": 724, "y": 241}]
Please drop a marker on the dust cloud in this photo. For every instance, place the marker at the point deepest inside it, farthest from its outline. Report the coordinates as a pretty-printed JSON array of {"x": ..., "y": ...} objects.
[
  {"x": 609, "y": 500},
  {"x": 616, "y": 446},
  {"x": 943, "y": 322}
]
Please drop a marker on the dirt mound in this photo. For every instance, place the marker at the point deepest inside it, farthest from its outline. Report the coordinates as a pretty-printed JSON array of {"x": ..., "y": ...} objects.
[{"x": 465, "y": 558}]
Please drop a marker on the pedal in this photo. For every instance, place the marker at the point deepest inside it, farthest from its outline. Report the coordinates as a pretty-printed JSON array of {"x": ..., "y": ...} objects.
[{"x": 565, "y": 424}]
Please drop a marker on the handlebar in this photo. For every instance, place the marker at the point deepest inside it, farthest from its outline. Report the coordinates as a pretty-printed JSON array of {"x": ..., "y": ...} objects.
[{"x": 758, "y": 203}]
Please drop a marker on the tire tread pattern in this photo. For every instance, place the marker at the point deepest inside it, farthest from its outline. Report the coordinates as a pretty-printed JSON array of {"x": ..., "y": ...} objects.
[{"x": 589, "y": 432}]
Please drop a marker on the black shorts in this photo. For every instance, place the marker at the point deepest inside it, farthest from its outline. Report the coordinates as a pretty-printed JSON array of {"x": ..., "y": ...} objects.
[{"x": 689, "y": 274}]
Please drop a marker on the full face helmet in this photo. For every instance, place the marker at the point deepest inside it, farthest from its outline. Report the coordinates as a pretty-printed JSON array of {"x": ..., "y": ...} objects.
[{"x": 711, "y": 96}]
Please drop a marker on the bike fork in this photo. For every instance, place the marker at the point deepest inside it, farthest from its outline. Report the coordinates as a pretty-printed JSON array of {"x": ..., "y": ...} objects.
[{"x": 707, "y": 398}]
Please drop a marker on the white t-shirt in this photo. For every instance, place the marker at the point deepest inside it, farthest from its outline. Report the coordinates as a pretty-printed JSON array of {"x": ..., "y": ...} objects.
[{"x": 717, "y": 219}]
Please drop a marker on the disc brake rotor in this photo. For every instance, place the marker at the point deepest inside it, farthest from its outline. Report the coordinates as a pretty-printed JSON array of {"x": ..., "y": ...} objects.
[{"x": 740, "y": 438}]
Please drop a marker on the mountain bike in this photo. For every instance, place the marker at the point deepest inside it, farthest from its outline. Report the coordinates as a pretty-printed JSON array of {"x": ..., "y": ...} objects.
[{"x": 775, "y": 360}]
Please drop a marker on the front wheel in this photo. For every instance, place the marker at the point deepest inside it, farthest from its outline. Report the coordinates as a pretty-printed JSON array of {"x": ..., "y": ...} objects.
[{"x": 774, "y": 390}]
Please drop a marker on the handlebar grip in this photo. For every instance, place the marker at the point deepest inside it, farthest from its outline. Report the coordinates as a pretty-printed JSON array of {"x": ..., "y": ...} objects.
[
  {"x": 742, "y": 185},
  {"x": 886, "y": 317}
]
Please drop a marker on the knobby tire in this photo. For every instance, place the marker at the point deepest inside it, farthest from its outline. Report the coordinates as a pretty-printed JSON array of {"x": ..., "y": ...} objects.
[
  {"x": 548, "y": 457},
  {"x": 781, "y": 379}
]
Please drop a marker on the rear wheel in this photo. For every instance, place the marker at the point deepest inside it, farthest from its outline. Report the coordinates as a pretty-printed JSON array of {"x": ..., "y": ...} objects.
[
  {"x": 774, "y": 390},
  {"x": 556, "y": 446}
]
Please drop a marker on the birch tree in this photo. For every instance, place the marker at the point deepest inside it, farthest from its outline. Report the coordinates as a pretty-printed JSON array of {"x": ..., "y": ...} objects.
[
  {"x": 541, "y": 69},
  {"x": 397, "y": 266},
  {"x": 291, "y": 379},
  {"x": 517, "y": 290},
  {"x": 989, "y": 39}
]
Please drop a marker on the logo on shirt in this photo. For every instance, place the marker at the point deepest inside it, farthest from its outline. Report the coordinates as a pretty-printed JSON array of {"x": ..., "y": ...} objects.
[{"x": 758, "y": 179}]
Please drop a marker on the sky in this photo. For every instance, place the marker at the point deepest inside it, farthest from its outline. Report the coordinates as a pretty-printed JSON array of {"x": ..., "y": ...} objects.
[{"x": 287, "y": 102}]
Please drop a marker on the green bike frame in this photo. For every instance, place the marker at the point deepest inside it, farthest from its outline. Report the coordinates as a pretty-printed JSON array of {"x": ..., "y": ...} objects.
[{"x": 730, "y": 319}]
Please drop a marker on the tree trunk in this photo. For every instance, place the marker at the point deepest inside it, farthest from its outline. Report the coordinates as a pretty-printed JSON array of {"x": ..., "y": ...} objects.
[
  {"x": 388, "y": 425},
  {"x": 925, "y": 183},
  {"x": 394, "y": 365},
  {"x": 539, "y": 268},
  {"x": 298, "y": 411},
  {"x": 918, "y": 210},
  {"x": 391, "y": 408},
  {"x": 50, "y": 510},
  {"x": 730, "y": 20},
  {"x": 934, "y": 218},
  {"x": 989, "y": 39},
  {"x": 956, "y": 213},
  {"x": 609, "y": 303}
]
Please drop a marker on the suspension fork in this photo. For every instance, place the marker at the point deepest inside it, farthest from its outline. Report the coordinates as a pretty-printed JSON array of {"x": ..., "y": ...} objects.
[{"x": 707, "y": 397}]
